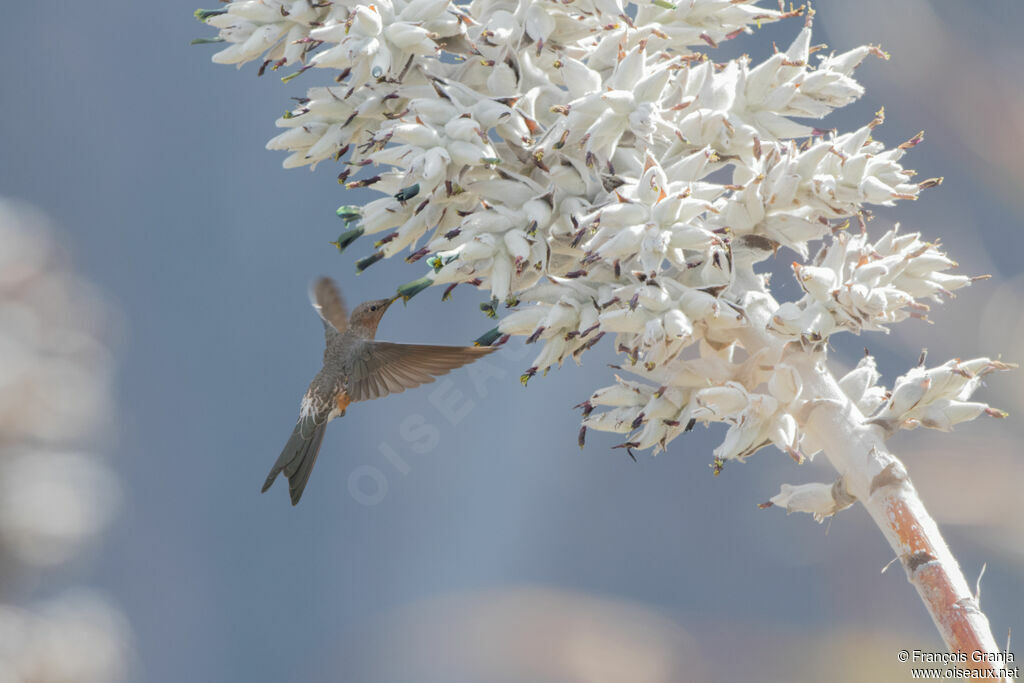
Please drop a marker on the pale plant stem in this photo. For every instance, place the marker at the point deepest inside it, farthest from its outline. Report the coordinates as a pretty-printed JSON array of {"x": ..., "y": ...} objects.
[
  {"x": 879, "y": 481},
  {"x": 877, "y": 478}
]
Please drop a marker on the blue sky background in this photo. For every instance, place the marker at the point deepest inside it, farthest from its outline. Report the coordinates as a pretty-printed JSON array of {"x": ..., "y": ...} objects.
[{"x": 150, "y": 160}]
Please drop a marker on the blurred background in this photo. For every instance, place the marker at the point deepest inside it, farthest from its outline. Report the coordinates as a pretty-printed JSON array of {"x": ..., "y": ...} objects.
[{"x": 155, "y": 339}]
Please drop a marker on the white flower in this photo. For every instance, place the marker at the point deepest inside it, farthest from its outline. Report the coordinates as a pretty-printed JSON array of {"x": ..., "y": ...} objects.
[
  {"x": 818, "y": 500},
  {"x": 937, "y": 397},
  {"x": 602, "y": 180},
  {"x": 861, "y": 386},
  {"x": 273, "y": 29}
]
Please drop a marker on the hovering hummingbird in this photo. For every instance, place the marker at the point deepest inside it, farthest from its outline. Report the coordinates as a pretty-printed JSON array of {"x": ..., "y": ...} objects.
[{"x": 356, "y": 368}]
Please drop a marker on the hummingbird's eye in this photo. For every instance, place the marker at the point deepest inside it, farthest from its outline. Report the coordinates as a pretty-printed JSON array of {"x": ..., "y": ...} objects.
[{"x": 373, "y": 308}]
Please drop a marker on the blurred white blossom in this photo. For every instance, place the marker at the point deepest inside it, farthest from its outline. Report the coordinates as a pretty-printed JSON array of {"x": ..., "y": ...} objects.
[
  {"x": 74, "y": 638},
  {"x": 56, "y": 496},
  {"x": 594, "y": 169}
]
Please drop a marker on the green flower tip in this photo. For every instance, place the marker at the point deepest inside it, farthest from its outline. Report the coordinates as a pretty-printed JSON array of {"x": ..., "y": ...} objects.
[
  {"x": 407, "y": 193},
  {"x": 289, "y": 77},
  {"x": 205, "y": 41},
  {"x": 349, "y": 213},
  {"x": 664, "y": 4},
  {"x": 487, "y": 338},
  {"x": 437, "y": 262},
  {"x": 204, "y": 14},
  {"x": 348, "y": 237},
  {"x": 364, "y": 263},
  {"x": 490, "y": 308},
  {"x": 411, "y": 289}
]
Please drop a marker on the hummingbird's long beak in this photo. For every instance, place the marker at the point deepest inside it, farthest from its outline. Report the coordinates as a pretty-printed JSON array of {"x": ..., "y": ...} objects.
[{"x": 392, "y": 300}]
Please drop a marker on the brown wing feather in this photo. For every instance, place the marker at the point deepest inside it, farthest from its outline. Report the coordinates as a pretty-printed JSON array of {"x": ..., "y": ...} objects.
[
  {"x": 388, "y": 368},
  {"x": 327, "y": 300}
]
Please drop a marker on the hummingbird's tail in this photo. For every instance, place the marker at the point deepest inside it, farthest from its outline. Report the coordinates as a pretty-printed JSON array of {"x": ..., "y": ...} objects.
[{"x": 299, "y": 456}]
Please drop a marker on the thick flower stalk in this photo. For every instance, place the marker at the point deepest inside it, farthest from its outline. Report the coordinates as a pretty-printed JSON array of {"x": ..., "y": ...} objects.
[{"x": 591, "y": 167}]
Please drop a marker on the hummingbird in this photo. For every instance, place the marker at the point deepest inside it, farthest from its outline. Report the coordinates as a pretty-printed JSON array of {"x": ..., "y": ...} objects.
[{"x": 356, "y": 368}]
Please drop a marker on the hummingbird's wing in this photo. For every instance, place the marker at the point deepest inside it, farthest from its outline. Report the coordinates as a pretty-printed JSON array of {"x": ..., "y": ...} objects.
[
  {"x": 327, "y": 301},
  {"x": 385, "y": 368}
]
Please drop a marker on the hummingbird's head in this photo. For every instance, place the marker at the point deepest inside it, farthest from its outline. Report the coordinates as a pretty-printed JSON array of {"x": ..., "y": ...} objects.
[{"x": 367, "y": 315}]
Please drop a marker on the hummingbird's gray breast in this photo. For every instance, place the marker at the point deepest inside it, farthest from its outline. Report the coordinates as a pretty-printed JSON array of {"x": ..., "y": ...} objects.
[{"x": 343, "y": 353}]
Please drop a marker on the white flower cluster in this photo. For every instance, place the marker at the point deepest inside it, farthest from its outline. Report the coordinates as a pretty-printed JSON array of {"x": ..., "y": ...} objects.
[
  {"x": 592, "y": 170},
  {"x": 854, "y": 285},
  {"x": 924, "y": 397},
  {"x": 708, "y": 388},
  {"x": 364, "y": 41},
  {"x": 56, "y": 498}
]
